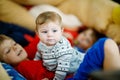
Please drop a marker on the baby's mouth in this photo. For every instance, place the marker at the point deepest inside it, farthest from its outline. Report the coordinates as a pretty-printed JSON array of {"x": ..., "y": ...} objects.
[{"x": 50, "y": 40}]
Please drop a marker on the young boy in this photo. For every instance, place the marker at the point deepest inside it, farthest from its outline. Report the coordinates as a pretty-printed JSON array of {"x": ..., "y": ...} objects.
[
  {"x": 86, "y": 38},
  {"x": 14, "y": 54}
]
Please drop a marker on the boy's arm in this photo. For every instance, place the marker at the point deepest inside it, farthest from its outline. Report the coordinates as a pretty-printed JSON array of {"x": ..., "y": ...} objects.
[{"x": 3, "y": 74}]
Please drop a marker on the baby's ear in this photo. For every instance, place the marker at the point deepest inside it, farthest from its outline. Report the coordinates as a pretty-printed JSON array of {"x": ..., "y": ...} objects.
[
  {"x": 62, "y": 29},
  {"x": 36, "y": 32}
]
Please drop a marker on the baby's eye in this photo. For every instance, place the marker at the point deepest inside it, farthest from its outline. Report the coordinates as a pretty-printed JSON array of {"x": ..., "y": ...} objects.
[
  {"x": 44, "y": 31},
  {"x": 54, "y": 30}
]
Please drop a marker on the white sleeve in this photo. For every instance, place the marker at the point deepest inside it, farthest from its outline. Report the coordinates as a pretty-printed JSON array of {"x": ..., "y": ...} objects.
[
  {"x": 60, "y": 76},
  {"x": 63, "y": 67}
]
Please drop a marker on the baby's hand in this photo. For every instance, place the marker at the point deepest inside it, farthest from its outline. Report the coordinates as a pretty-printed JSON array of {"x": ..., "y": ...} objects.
[{"x": 45, "y": 79}]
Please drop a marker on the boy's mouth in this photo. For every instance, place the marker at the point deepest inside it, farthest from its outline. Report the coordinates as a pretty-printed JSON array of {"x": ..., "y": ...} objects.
[{"x": 76, "y": 42}]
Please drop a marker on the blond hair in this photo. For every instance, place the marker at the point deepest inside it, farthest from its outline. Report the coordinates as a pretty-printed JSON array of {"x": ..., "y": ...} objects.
[
  {"x": 2, "y": 39},
  {"x": 47, "y": 17}
]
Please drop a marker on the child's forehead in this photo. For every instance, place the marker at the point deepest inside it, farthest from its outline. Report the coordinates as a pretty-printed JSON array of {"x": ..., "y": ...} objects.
[
  {"x": 49, "y": 25},
  {"x": 89, "y": 31},
  {"x": 7, "y": 43}
]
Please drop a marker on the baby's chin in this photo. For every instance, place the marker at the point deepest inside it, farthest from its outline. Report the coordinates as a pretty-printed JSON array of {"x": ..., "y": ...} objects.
[{"x": 50, "y": 44}]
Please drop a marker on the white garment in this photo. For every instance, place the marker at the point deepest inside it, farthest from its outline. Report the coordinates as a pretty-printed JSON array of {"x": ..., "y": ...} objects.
[{"x": 61, "y": 58}]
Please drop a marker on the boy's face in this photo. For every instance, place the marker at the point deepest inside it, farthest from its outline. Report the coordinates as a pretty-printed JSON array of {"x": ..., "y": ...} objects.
[
  {"x": 12, "y": 52},
  {"x": 85, "y": 39},
  {"x": 50, "y": 33}
]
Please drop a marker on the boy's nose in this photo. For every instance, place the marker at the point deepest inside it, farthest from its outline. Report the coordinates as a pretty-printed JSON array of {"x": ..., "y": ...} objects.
[
  {"x": 14, "y": 47},
  {"x": 83, "y": 38}
]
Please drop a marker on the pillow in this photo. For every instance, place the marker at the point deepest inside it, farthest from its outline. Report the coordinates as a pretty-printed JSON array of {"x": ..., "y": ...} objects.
[
  {"x": 92, "y": 13},
  {"x": 113, "y": 31},
  {"x": 14, "y": 13},
  {"x": 36, "y": 2}
]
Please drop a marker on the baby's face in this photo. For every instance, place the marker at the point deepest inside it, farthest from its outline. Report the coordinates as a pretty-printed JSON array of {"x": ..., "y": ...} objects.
[
  {"x": 12, "y": 52},
  {"x": 85, "y": 39},
  {"x": 50, "y": 33}
]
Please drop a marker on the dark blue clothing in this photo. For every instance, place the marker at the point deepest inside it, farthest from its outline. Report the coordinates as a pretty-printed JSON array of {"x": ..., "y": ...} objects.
[
  {"x": 15, "y": 32},
  {"x": 93, "y": 61}
]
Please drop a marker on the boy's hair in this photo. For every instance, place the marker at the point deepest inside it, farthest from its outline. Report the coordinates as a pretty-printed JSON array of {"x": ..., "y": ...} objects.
[
  {"x": 48, "y": 16},
  {"x": 2, "y": 39},
  {"x": 96, "y": 35}
]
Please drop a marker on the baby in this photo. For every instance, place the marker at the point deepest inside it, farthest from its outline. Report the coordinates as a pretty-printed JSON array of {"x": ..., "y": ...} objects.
[{"x": 54, "y": 49}]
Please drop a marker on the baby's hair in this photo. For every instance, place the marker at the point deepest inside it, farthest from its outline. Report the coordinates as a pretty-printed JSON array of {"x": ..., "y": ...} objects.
[{"x": 48, "y": 16}]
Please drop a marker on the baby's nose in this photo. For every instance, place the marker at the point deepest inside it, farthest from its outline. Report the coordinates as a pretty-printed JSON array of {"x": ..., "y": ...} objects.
[{"x": 50, "y": 33}]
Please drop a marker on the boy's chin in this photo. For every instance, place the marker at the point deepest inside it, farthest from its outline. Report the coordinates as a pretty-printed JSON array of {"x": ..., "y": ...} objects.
[{"x": 76, "y": 42}]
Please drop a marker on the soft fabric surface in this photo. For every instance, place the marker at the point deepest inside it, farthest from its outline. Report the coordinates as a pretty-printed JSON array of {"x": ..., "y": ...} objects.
[
  {"x": 18, "y": 33},
  {"x": 14, "y": 75},
  {"x": 14, "y": 13},
  {"x": 97, "y": 14}
]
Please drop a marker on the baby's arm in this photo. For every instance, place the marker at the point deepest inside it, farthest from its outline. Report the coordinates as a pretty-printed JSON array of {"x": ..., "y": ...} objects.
[{"x": 62, "y": 68}]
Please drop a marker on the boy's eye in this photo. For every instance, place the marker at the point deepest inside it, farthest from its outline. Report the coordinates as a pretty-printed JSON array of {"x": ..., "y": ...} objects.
[
  {"x": 8, "y": 51},
  {"x": 15, "y": 44},
  {"x": 54, "y": 30},
  {"x": 88, "y": 41},
  {"x": 84, "y": 34}
]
